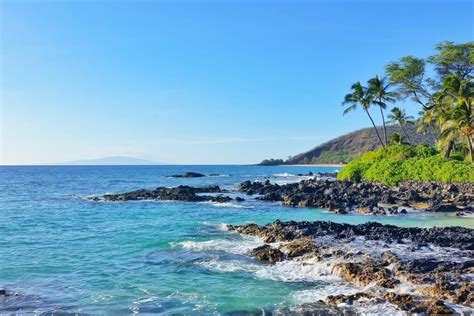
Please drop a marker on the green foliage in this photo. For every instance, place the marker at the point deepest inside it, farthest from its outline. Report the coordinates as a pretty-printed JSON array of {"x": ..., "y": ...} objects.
[
  {"x": 272, "y": 162},
  {"x": 399, "y": 163},
  {"x": 407, "y": 74},
  {"x": 452, "y": 58},
  {"x": 337, "y": 156},
  {"x": 396, "y": 139}
]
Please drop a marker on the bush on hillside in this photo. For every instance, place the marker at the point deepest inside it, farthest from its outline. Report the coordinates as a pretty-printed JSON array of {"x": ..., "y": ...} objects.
[
  {"x": 400, "y": 163},
  {"x": 336, "y": 156}
]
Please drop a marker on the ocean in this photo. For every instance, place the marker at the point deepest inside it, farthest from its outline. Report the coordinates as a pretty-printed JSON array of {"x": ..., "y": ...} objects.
[{"x": 65, "y": 254}]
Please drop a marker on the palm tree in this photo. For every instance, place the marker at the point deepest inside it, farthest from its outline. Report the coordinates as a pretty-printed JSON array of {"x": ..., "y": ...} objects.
[
  {"x": 399, "y": 116},
  {"x": 361, "y": 96},
  {"x": 425, "y": 123},
  {"x": 439, "y": 114},
  {"x": 378, "y": 87},
  {"x": 460, "y": 121},
  {"x": 396, "y": 138}
]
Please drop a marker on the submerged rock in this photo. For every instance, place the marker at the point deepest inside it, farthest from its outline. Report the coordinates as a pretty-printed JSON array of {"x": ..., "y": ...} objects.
[{"x": 188, "y": 175}]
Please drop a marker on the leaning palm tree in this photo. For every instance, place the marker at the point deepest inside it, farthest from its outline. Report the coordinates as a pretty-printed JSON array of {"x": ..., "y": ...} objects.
[
  {"x": 378, "y": 87},
  {"x": 399, "y": 116},
  {"x": 360, "y": 96}
]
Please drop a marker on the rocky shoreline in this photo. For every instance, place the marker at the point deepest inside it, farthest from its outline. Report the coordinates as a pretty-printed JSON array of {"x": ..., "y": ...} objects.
[
  {"x": 417, "y": 270},
  {"x": 344, "y": 197},
  {"x": 324, "y": 191}
]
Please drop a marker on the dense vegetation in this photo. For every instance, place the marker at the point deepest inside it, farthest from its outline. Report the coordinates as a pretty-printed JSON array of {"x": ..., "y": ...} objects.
[
  {"x": 337, "y": 156},
  {"x": 397, "y": 163},
  {"x": 446, "y": 100},
  {"x": 272, "y": 162},
  {"x": 447, "y": 111}
]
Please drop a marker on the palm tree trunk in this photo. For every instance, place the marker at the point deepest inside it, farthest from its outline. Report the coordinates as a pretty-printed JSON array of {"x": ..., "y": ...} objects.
[
  {"x": 471, "y": 149},
  {"x": 404, "y": 132},
  {"x": 384, "y": 127},
  {"x": 449, "y": 148},
  {"x": 375, "y": 128}
]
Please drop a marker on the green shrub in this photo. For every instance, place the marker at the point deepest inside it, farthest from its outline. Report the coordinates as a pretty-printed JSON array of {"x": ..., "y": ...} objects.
[
  {"x": 399, "y": 163},
  {"x": 336, "y": 156}
]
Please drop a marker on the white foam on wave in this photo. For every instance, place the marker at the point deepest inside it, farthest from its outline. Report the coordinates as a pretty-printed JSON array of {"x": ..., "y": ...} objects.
[
  {"x": 284, "y": 174},
  {"x": 285, "y": 271},
  {"x": 242, "y": 246},
  {"x": 321, "y": 292},
  {"x": 223, "y": 227},
  {"x": 362, "y": 307},
  {"x": 228, "y": 204},
  {"x": 405, "y": 250},
  {"x": 291, "y": 179}
]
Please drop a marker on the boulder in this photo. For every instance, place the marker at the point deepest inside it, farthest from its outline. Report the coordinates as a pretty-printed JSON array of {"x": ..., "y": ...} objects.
[{"x": 267, "y": 254}]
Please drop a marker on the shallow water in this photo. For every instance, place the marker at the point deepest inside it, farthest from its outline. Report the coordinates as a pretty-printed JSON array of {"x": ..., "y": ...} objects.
[{"x": 63, "y": 253}]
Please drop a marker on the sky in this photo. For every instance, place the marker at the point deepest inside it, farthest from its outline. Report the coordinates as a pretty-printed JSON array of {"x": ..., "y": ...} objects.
[{"x": 199, "y": 81}]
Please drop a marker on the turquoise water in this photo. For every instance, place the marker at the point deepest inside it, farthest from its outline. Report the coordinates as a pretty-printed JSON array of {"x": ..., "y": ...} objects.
[{"x": 64, "y": 253}]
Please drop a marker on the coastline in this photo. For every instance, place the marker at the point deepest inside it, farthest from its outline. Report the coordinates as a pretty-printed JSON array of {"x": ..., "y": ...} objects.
[
  {"x": 318, "y": 165},
  {"x": 314, "y": 245}
]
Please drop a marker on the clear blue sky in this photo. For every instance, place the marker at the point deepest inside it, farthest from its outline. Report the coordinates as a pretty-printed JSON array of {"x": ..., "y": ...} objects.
[{"x": 198, "y": 81}]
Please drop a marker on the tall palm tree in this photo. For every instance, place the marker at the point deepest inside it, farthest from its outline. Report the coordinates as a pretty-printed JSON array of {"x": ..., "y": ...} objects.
[
  {"x": 360, "y": 95},
  {"x": 399, "y": 116},
  {"x": 378, "y": 87}
]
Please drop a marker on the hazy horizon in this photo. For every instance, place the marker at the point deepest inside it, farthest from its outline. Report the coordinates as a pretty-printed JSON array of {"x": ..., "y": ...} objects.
[{"x": 198, "y": 82}]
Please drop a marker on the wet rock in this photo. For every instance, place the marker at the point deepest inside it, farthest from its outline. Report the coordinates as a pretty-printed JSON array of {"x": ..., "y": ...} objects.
[
  {"x": 216, "y": 199},
  {"x": 366, "y": 273},
  {"x": 408, "y": 302},
  {"x": 443, "y": 208},
  {"x": 188, "y": 175},
  {"x": 432, "y": 307},
  {"x": 458, "y": 237},
  {"x": 403, "y": 301},
  {"x": 347, "y": 299},
  {"x": 299, "y": 248},
  {"x": 459, "y": 293},
  {"x": 410, "y": 257},
  {"x": 365, "y": 197},
  {"x": 3, "y": 292},
  {"x": 180, "y": 193},
  {"x": 267, "y": 254},
  {"x": 239, "y": 199}
]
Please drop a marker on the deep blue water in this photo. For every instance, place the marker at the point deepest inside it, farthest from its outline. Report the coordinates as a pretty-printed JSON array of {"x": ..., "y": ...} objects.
[{"x": 61, "y": 252}]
